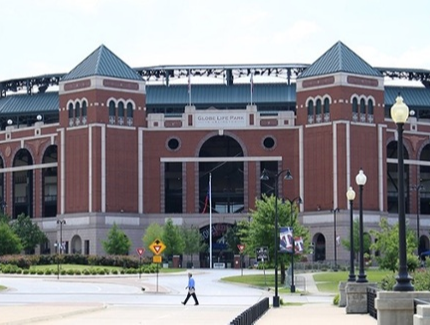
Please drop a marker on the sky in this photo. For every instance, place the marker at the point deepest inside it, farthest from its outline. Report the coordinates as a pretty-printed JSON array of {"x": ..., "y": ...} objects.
[{"x": 53, "y": 36}]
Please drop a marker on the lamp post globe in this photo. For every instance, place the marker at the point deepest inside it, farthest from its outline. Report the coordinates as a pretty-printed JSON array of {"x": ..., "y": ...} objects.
[
  {"x": 350, "y": 195},
  {"x": 361, "y": 180},
  {"x": 400, "y": 113}
]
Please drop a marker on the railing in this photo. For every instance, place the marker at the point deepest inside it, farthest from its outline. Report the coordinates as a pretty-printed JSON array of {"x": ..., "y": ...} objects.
[
  {"x": 249, "y": 316},
  {"x": 371, "y": 296},
  {"x": 419, "y": 302}
]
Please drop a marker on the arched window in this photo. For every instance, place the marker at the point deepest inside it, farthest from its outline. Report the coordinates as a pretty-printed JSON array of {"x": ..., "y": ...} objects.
[
  {"x": 121, "y": 109},
  {"x": 370, "y": 107},
  {"x": 71, "y": 110},
  {"x": 84, "y": 108},
  {"x": 326, "y": 106},
  {"x": 355, "y": 105},
  {"x": 311, "y": 108},
  {"x": 111, "y": 108},
  {"x": 129, "y": 110},
  {"x": 77, "y": 110},
  {"x": 318, "y": 108},
  {"x": 362, "y": 106}
]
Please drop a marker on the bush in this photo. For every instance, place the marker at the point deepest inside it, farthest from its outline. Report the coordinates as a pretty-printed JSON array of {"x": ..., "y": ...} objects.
[
  {"x": 388, "y": 282},
  {"x": 336, "y": 300},
  {"x": 422, "y": 280}
]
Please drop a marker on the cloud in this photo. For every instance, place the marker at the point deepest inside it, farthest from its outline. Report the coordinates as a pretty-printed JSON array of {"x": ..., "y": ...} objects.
[
  {"x": 299, "y": 31},
  {"x": 410, "y": 58}
]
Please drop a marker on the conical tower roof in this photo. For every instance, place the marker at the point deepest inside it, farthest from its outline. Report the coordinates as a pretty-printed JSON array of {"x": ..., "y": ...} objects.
[
  {"x": 340, "y": 58},
  {"x": 102, "y": 62}
]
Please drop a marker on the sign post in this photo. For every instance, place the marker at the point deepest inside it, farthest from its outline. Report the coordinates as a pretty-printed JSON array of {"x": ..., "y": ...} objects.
[
  {"x": 140, "y": 251},
  {"x": 157, "y": 247},
  {"x": 263, "y": 254},
  {"x": 241, "y": 247}
]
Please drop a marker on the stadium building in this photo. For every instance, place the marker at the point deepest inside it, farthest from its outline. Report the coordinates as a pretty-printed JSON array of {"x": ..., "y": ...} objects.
[{"x": 106, "y": 143}]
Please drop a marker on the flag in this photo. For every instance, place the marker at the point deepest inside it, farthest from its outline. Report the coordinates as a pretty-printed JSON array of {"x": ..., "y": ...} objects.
[
  {"x": 338, "y": 240},
  {"x": 286, "y": 239},
  {"x": 206, "y": 203}
]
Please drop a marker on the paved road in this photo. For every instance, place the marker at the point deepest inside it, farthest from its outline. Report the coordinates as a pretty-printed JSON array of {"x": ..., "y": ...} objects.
[{"x": 120, "y": 300}]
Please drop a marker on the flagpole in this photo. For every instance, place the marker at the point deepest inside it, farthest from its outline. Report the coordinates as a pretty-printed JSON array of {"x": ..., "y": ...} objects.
[
  {"x": 252, "y": 85},
  {"x": 210, "y": 220},
  {"x": 189, "y": 87}
]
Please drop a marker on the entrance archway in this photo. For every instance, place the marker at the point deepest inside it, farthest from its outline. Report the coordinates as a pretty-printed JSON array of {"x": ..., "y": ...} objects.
[
  {"x": 227, "y": 182},
  {"x": 320, "y": 246}
]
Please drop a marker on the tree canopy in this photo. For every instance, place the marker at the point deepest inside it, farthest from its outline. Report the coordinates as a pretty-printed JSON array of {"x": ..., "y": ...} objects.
[
  {"x": 28, "y": 232},
  {"x": 117, "y": 242},
  {"x": 9, "y": 240},
  {"x": 387, "y": 244}
]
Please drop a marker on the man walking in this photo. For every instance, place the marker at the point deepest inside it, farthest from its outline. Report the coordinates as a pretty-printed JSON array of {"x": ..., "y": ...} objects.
[{"x": 191, "y": 290}]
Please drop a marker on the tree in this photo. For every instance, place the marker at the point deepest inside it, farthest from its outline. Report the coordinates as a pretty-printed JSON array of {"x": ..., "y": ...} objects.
[
  {"x": 356, "y": 237},
  {"x": 153, "y": 232},
  {"x": 117, "y": 242},
  {"x": 28, "y": 232},
  {"x": 192, "y": 240},
  {"x": 387, "y": 244},
  {"x": 236, "y": 235},
  {"x": 261, "y": 230},
  {"x": 172, "y": 238},
  {"x": 9, "y": 240}
]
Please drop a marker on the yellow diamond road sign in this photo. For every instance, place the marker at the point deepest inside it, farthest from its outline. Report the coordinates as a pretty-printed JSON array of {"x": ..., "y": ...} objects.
[{"x": 157, "y": 247}]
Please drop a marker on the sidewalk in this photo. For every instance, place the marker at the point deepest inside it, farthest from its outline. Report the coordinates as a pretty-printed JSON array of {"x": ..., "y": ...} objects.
[{"x": 312, "y": 308}]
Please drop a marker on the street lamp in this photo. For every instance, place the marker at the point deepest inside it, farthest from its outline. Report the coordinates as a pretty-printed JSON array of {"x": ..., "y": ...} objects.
[
  {"x": 60, "y": 222},
  {"x": 350, "y": 194},
  {"x": 399, "y": 114},
  {"x": 265, "y": 176},
  {"x": 361, "y": 179},
  {"x": 293, "y": 249},
  {"x": 335, "y": 237}
]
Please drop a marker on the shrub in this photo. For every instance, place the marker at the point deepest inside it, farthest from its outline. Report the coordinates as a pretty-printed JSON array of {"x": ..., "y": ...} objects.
[
  {"x": 77, "y": 272},
  {"x": 40, "y": 272},
  {"x": 48, "y": 272},
  {"x": 422, "y": 280},
  {"x": 70, "y": 272},
  {"x": 336, "y": 300},
  {"x": 388, "y": 282}
]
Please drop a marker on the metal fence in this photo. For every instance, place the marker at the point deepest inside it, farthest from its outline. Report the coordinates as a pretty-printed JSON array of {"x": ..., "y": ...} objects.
[
  {"x": 371, "y": 296},
  {"x": 250, "y": 316}
]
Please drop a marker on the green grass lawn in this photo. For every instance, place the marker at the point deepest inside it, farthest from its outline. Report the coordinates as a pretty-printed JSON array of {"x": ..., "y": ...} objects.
[
  {"x": 2, "y": 288},
  {"x": 329, "y": 281},
  {"x": 326, "y": 281}
]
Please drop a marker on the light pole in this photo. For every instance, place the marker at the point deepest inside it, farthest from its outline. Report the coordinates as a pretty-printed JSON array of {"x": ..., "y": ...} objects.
[
  {"x": 335, "y": 237},
  {"x": 293, "y": 249},
  {"x": 361, "y": 179},
  {"x": 265, "y": 176},
  {"x": 350, "y": 194},
  {"x": 60, "y": 222},
  {"x": 400, "y": 113}
]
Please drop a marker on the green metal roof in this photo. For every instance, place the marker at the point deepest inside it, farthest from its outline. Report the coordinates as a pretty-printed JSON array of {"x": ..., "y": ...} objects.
[
  {"x": 23, "y": 104},
  {"x": 157, "y": 96},
  {"x": 102, "y": 62},
  {"x": 413, "y": 96},
  {"x": 220, "y": 94},
  {"x": 339, "y": 58}
]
